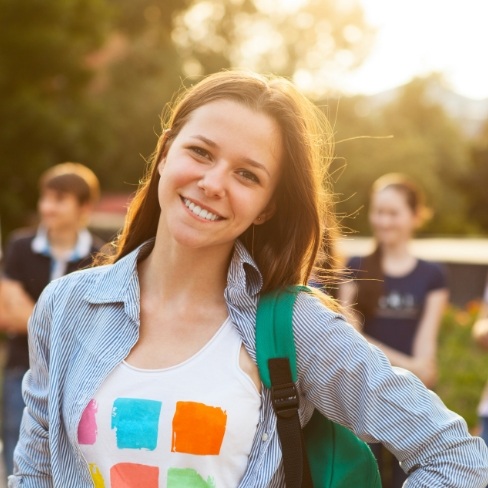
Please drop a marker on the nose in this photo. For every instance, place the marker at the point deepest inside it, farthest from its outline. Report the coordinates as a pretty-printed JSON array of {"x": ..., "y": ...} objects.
[{"x": 213, "y": 181}]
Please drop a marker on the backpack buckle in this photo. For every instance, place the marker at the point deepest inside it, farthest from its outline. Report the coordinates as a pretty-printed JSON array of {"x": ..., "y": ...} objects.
[{"x": 285, "y": 399}]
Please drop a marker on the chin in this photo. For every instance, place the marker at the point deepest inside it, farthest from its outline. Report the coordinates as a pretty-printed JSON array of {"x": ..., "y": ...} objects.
[{"x": 189, "y": 240}]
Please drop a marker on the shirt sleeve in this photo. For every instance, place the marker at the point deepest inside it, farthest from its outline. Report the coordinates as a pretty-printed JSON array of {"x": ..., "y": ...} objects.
[
  {"x": 352, "y": 382},
  {"x": 438, "y": 279},
  {"x": 32, "y": 461},
  {"x": 353, "y": 268},
  {"x": 12, "y": 260}
]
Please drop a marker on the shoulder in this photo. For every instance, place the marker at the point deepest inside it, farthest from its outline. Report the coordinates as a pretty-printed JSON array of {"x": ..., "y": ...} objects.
[
  {"x": 97, "y": 242},
  {"x": 434, "y": 272},
  {"x": 354, "y": 267},
  {"x": 431, "y": 267},
  {"x": 21, "y": 238},
  {"x": 326, "y": 344},
  {"x": 354, "y": 262},
  {"x": 78, "y": 282},
  {"x": 19, "y": 259},
  {"x": 311, "y": 318}
]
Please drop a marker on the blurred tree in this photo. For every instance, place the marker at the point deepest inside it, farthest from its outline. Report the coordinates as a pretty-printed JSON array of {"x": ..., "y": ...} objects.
[
  {"x": 43, "y": 103},
  {"x": 473, "y": 182},
  {"x": 154, "y": 49},
  {"x": 77, "y": 99},
  {"x": 138, "y": 71},
  {"x": 425, "y": 143},
  {"x": 312, "y": 41}
]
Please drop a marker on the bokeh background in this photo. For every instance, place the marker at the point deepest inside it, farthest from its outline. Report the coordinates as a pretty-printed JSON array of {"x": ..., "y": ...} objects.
[
  {"x": 404, "y": 83},
  {"x": 86, "y": 80}
]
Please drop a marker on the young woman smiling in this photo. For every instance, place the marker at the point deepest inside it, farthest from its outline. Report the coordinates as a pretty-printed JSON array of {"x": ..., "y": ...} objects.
[{"x": 144, "y": 369}]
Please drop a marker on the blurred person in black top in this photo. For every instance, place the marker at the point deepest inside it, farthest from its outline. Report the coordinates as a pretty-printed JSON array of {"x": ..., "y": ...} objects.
[{"x": 397, "y": 299}]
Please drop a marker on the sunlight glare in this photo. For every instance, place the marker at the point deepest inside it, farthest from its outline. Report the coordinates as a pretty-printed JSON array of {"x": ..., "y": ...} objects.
[
  {"x": 418, "y": 37},
  {"x": 283, "y": 6}
]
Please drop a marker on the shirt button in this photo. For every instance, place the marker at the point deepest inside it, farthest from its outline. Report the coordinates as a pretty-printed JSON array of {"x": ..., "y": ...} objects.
[{"x": 265, "y": 437}]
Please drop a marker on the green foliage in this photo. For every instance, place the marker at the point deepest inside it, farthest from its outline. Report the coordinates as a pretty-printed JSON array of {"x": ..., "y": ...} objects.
[
  {"x": 463, "y": 367},
  {"x": 171, "y": 46},
  {"x": 472, "y": 183},
  {"x": 139, "y": 80},
  {"x": 87, "y": 81},
  {"x": 409, "y": 133},
  {"x": 43, "y": 104}
]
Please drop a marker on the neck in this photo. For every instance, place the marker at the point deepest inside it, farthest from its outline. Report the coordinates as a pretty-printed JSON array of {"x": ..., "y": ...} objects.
[
  {"x": 399, "y": 250},
  {"x": 172, "y": 272},
  {"x": 63, "y": 239},
  {"x": 397, "y": 260}
]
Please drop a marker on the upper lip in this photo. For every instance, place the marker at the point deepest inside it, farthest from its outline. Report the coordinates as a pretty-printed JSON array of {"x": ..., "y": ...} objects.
[{"x": 201, "y": 205}]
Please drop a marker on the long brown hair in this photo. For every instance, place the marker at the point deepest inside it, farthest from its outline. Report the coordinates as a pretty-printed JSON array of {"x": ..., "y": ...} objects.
[
  {"x": 370, "y": 288},
  {"x": 287, "y": 246}
]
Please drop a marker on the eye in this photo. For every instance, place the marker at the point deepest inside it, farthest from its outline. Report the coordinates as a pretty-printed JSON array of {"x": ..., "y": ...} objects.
[
  {"x": 200, "y": 151},
  {"x": 248, "y": 175}
]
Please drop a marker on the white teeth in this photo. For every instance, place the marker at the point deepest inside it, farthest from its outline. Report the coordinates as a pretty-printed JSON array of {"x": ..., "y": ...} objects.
[{"x": 201, "y": 212}]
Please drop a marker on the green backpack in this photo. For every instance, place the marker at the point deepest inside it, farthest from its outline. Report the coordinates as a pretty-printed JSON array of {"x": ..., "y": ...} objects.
[{"x": 333, "y": 456}]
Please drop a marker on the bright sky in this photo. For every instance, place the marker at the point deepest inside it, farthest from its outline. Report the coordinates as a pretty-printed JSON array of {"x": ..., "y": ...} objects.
[{"x": 417, "y": 37}]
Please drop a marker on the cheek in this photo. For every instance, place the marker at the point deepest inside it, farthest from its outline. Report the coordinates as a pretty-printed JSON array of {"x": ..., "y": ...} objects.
[
  {"x": 376, "y": 219},
  {"x": 407, "y": 225}
]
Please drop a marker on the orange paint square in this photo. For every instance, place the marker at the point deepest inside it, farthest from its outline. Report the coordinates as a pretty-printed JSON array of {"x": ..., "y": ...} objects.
[
  {"x": 125, "y": 475},
  {"x": 198, "y": 428}
]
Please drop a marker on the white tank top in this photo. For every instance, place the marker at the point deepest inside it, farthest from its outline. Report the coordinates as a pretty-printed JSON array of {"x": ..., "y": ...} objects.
[{"x": 189, "y": 425}]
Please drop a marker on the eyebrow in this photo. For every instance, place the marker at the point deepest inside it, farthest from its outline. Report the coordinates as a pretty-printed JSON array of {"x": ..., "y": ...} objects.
[{"x": 249, "y": 161}]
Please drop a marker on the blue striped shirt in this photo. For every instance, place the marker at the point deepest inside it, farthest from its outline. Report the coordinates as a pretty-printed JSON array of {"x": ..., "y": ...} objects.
[{"x": 86, "y": 323}]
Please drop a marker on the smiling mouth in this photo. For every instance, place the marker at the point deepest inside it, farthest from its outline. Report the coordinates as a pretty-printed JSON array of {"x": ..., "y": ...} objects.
[{"x": 199, "y": 211}]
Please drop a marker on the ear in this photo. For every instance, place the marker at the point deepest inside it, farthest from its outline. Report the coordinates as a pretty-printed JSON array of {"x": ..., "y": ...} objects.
[
  {"x": 263, "y": 217},
  {"x": 86, "y": 210},
  {"x": 419, "y": 221}
]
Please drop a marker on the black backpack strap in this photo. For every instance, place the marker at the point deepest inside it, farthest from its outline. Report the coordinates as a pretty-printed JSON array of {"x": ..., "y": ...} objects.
[{"x": 285, "y": 402}]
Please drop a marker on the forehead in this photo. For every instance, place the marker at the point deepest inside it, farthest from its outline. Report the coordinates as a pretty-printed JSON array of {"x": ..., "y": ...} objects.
[
  {"x": 57, "y": 194},
  {"x": 226, "y": 109},
  {"x": 392, "y": 197},
  {"x": 228, "y": 118}
]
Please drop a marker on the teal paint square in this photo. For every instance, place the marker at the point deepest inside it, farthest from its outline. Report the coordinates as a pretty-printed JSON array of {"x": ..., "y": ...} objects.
[{"x": 136, "y": 423}]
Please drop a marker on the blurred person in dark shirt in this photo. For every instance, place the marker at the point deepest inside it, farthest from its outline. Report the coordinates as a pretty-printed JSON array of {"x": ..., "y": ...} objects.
[{"x": 34, "y": 257}]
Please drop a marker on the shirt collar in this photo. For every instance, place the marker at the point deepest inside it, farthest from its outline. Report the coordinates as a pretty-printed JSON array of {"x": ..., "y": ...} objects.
[
  {"x": 243, "y": 274},
  {"x": 40, "y": 244},
  {"x": 120, "y": 280}
]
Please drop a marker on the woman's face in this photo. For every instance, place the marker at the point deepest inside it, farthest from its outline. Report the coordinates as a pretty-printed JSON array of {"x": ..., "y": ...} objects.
[
  {"x": 219, "y": 175},
  {"x": 392, "y": 220}
]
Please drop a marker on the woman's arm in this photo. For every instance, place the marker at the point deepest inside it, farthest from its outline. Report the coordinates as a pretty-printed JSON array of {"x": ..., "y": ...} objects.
[
  {"x": 480, "y": 328},
  {"x": 424, "y": 351},
  {"x": 352, "y": 383},
  {"x": 347, "y": 296},
  {"x": 423, "y": 361},
  {"x": 32, "y": 461}
]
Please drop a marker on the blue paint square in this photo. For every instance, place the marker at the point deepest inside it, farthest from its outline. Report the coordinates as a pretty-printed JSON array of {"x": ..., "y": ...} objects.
[{"x": 136, "y": 423}]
